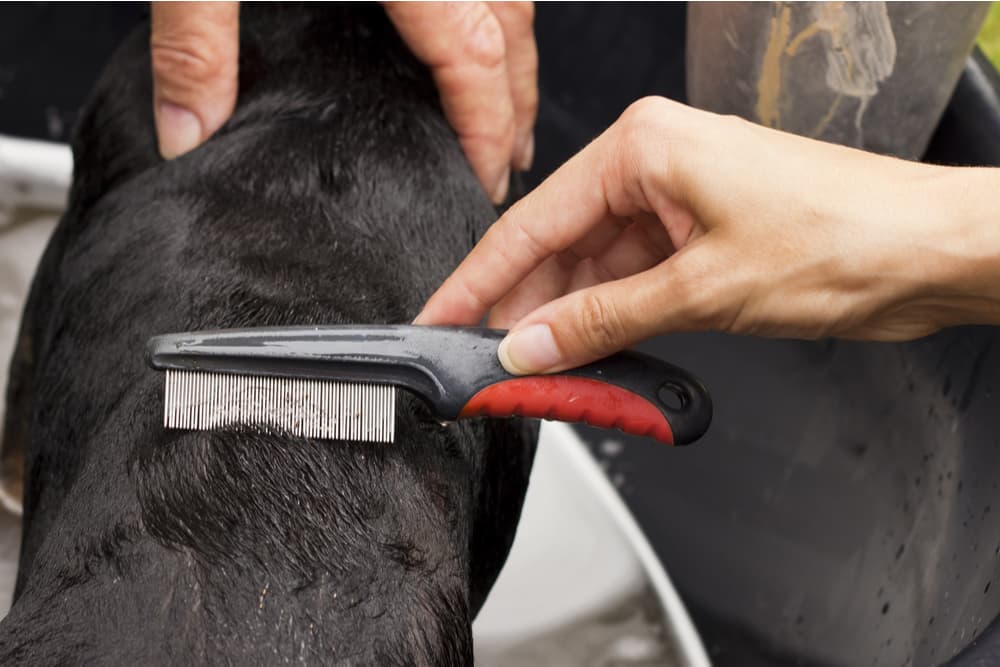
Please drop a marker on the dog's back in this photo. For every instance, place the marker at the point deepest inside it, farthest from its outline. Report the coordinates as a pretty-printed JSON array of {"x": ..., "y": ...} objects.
[{"x": 336, "y": 193}]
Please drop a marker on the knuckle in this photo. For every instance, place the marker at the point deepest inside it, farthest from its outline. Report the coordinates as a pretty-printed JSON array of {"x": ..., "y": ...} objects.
[
  {"x": 483, "y": 43},
  {"x": 490, "y": 134},
  {"x": 641, "y": 128},
  {"x": 600, "y": 326},
  {"x": 697, "y": 293},
  {"x": 524, "y": 240},
  {"x": 644, "y": 113},
  {"x": 187, "y": 62}
]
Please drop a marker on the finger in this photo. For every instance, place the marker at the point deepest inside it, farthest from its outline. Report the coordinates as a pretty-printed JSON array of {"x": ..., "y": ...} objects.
[
  {"x": 517, "y": 20},
  {"x": 463, "y": 44},
  {"x": 597, "y": 238},
  {"x": 557, "y": 214},
  {"x": 655, "y": 232},
  {"x": 628, "y": 251},
  {"x": 632, "y": 252},
  {"x": 549, "y": 281},
  {"x": 194, "y": 49},
  {"x": 592, "y": 323}
]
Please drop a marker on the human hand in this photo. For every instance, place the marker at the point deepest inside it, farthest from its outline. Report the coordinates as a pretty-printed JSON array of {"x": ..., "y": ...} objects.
[
  {"x": 485, "y": 64},
  {"x": 676, "y": 219},
  {"x": 482, "y": 56}
]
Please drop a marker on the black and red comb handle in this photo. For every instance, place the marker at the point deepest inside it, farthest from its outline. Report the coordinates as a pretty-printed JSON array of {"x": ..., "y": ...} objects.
[{"x": 456, "y": 370}]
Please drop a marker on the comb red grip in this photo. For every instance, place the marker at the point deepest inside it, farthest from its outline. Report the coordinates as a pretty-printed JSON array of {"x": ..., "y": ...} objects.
[{"x": 571, "y": 399}]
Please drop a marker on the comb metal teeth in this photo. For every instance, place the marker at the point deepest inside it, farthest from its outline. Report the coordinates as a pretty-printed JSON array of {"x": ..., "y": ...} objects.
[{"x": 326, "y": 409}]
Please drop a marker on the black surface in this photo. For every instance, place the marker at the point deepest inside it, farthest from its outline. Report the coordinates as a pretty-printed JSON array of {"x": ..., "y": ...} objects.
[
  {"x": 50, "y": 56},
  {"x": 969, "y": 131},
  {"x": 595, "y": 59},
  {"x": 843, "y": 508}
]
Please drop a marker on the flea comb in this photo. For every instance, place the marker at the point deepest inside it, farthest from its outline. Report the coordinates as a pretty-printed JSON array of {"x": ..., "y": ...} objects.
[{"x": 339, "y": 382}]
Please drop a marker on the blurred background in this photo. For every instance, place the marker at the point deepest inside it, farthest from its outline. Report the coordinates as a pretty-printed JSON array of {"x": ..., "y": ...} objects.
[{"x": 844, "y": 508}]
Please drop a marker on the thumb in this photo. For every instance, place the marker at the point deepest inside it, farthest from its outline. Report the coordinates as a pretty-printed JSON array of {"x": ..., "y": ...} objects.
[
  {"x": 592, "y": 323},
  {"x": 195, "y": 49}
]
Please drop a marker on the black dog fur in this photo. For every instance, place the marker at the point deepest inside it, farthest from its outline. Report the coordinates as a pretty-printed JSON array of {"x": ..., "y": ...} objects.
[{"x": 336, "y": 193}]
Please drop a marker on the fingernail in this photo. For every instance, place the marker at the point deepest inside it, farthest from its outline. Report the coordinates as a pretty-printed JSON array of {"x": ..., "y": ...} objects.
[
  {"x": 501, "y": 192},
  {"x": 416, "y": 320},
  {"x": 179, "y": 130},
  {"x": 527, "y": 154},
  {"x": 530, "y": 350}
]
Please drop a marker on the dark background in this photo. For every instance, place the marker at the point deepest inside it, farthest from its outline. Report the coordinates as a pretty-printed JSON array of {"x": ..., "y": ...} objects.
[{"x": 844, "y": 507}]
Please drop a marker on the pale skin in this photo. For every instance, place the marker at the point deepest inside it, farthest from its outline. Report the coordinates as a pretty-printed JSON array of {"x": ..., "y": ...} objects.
[
  {"x": 676, "y": 219},
  {"x": 673, "y": 219},
  {"x": 482, "y": 56}
]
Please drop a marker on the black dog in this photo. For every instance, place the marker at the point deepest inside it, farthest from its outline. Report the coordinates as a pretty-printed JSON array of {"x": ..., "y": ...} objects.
[{"x": 337, "y": 193}]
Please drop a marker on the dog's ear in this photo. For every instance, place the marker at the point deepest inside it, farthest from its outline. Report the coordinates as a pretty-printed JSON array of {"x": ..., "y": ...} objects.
[{"x": 115, "y": 137}]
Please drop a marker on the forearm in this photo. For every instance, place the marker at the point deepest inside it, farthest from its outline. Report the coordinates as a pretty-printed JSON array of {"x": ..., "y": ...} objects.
[{"x": 961, "y": 257}]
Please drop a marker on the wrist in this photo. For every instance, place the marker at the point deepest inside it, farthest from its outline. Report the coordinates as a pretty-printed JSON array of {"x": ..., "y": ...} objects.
[{"x": 957, "y": 217}]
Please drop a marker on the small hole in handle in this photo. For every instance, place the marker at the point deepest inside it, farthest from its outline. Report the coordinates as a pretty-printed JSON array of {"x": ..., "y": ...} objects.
[{"x": 672, "y": 396}]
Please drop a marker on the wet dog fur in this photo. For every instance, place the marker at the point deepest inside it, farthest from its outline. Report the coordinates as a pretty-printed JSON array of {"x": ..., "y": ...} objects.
[{"x": 337, "y": 193}]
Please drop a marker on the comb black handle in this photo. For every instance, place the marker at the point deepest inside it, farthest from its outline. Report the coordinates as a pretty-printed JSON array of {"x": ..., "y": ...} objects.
[{"x": 457, "y": 372}]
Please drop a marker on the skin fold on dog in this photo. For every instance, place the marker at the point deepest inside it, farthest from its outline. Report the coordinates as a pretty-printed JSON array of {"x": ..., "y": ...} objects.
[{"x": 337, "y": 193}]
